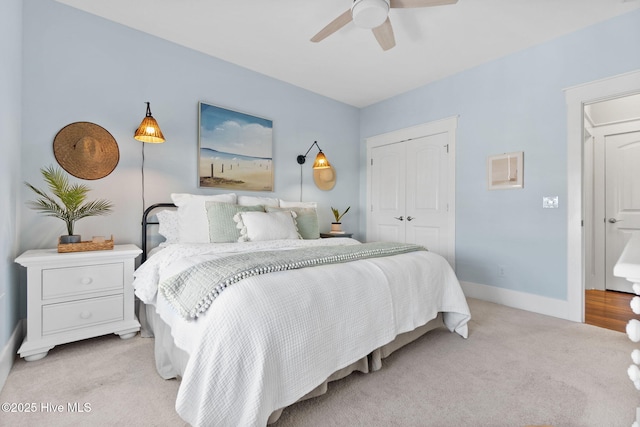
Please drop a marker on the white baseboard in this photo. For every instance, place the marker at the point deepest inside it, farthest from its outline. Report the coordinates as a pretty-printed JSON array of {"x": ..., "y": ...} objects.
[
  {"x": 521, "y": 300},
  {"x": 8, "y": 354}
]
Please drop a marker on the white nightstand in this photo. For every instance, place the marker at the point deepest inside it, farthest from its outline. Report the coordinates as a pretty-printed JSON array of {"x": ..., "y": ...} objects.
[{"x": 77, "y": 295}]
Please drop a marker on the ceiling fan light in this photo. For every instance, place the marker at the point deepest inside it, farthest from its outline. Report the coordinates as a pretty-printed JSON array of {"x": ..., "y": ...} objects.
[{"x": 369, "y": 13}]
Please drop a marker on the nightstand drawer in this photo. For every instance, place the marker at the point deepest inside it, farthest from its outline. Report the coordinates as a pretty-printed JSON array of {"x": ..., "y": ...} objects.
[
  {"x": 60, "y": 282},
  {"x": 78, "y": 314}
]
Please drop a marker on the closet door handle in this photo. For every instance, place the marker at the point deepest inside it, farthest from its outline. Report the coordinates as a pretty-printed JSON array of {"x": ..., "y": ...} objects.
[
  {"x": 409, "y": 218},
  {"x": 613, "y": 220},
  {"x": 399, "y": 218}
]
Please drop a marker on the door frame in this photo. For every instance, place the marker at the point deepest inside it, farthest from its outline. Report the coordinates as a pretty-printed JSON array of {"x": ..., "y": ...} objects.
[
  {"x": 576, "y": 98},
  {"x": 446, "y": 125}
]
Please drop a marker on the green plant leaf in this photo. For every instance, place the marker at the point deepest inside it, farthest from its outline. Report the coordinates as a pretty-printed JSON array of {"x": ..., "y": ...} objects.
[
  {"x": 72, "y": 206},
  {"x": 337, "y": 215}
]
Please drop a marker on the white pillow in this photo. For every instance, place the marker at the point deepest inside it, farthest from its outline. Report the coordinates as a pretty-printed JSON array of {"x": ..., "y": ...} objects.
[
  {"x": 192, "y": 214},
  {"x": 306, "y": 221},
  {"x": 253, "y": 201},
  {"x": 168, "y": 226},
  {"x": 285, "y": 204},
  {"x": 259, "y": 226}
]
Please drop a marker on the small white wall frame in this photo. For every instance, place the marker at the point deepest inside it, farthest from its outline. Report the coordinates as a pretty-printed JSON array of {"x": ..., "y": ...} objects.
[{"x": 505, "y": 171}]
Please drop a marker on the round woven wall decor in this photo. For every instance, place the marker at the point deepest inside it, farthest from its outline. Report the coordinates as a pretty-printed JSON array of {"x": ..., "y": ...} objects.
[
  {"x": 325, "y": 178},
  {"x": 86, "y": 150}
]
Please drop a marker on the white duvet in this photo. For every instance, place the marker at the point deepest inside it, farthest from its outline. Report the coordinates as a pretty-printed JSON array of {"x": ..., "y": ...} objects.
[{"x": 269, "y": 340}]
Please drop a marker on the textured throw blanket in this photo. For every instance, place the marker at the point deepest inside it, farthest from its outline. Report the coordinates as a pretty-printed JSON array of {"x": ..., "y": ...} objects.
[{"x": 192, "y": 291}]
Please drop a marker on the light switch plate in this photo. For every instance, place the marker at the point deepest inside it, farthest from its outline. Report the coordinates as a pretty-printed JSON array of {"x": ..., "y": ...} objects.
[{"x": 550, "y": 202}]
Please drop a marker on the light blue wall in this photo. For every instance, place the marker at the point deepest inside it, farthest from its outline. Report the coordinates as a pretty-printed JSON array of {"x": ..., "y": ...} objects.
[
  {"x": 10, "y": 122},
  {"x": 513, "y": 104},
  {"x": 78, "y": 67}
]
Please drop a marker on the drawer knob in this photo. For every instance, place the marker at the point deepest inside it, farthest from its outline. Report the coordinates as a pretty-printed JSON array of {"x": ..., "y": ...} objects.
[
  {"x": 85, "y": 315},
  {"x": 86, "y": 280}
]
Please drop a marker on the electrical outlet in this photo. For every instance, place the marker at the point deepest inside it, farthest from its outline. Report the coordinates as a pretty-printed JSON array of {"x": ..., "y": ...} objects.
[{"x": 501, "y": 271}]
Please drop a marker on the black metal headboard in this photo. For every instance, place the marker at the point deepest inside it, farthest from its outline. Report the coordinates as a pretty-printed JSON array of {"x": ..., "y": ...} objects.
[{"x": 146, "y": 223}]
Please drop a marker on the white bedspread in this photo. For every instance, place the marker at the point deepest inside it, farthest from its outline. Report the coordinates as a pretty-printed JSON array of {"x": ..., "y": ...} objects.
[{"x": 270, "y": 339}]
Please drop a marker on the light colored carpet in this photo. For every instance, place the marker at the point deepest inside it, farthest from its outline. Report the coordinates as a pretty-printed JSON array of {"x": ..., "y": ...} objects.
[{"x": 515, "y": 369}]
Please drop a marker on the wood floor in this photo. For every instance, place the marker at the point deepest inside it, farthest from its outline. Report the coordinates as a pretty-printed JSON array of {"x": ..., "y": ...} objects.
[{"x": 608, "y": 309}]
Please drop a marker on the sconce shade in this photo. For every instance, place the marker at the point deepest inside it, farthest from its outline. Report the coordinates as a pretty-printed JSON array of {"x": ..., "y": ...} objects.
[
  {"x": 149, "y": 131},
  {"x": 321, "y": 161}
]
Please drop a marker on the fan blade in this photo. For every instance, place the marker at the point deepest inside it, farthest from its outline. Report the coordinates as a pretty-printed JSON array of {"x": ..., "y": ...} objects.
[
  {"x": 419, "y": 3},
  {"x": 384, "y": 35},
  {"x": 333, "y": 26}
]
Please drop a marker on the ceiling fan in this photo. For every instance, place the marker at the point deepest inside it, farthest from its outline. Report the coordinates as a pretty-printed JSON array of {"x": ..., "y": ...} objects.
[{"x": 374, "y": 15}]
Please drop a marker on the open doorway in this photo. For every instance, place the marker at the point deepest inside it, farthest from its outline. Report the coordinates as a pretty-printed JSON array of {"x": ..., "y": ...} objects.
[
  {"x": 577, "y": 97},
  {"x": 611, "y": 186}
]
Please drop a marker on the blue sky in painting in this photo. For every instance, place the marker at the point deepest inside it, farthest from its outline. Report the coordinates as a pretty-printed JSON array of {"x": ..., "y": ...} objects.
[{"x": 235, "y": 133}]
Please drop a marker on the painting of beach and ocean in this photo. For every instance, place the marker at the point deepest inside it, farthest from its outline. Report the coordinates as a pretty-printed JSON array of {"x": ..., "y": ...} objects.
[{"x": 235, "y": 150}]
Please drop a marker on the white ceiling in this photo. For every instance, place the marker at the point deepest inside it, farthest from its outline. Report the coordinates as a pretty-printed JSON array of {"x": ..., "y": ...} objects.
[{"x": 272, "y": 37}]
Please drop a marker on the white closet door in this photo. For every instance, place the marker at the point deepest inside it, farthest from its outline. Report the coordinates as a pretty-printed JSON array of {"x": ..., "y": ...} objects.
[
  {"x": 426, "y": 218},
  {"x": 411, "y": 187},
  {"x": 388, "y": 180}
]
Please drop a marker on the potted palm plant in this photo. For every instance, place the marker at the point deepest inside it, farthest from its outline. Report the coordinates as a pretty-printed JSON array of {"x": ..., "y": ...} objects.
[
  {"x": 71, "y": 204},
  {"x": 336, "y": 226}
]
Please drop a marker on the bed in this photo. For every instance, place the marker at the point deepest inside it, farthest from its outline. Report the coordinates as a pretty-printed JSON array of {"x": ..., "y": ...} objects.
[{"x": 302, "y": 312}]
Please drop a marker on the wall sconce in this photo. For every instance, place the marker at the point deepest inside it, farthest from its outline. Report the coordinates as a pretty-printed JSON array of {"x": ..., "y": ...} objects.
[
  {"x": 324, "y": 175},
  {"x": 147, "y": 132},
  {"x": 321, "y": 161}
]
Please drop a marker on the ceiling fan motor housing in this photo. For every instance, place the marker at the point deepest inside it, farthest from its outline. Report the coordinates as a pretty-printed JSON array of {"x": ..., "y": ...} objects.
[{"x": 369, "y": 13}]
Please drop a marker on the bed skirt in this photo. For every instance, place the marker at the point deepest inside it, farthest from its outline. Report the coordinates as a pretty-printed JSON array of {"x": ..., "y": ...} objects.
[{"x": 171, "y": 361}]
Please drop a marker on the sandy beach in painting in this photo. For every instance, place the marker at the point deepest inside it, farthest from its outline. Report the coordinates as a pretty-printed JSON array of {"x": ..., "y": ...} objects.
[{"x": 236, "y": 173}]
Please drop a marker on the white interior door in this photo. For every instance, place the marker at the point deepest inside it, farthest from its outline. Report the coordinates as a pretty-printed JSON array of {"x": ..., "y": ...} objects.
[
  {"x": 427, "y": 221},
  {"x": 388, "y": 182},
  {"x": 622, "y": 200}
]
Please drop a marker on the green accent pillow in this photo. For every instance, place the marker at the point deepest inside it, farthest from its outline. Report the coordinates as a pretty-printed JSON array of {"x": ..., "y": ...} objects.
[
  {"x": 307, "y": 220},
  {"x": 222, "y": 227}
]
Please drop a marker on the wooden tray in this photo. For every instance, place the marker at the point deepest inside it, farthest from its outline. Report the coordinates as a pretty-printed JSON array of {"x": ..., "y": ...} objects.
[{"x": 86, "y": 246}]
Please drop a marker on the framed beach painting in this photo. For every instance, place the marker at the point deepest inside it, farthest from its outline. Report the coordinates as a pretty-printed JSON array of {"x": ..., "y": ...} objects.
[
  {"x": 235, "y": 150},
  {"x": 505, "y": 171}
]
